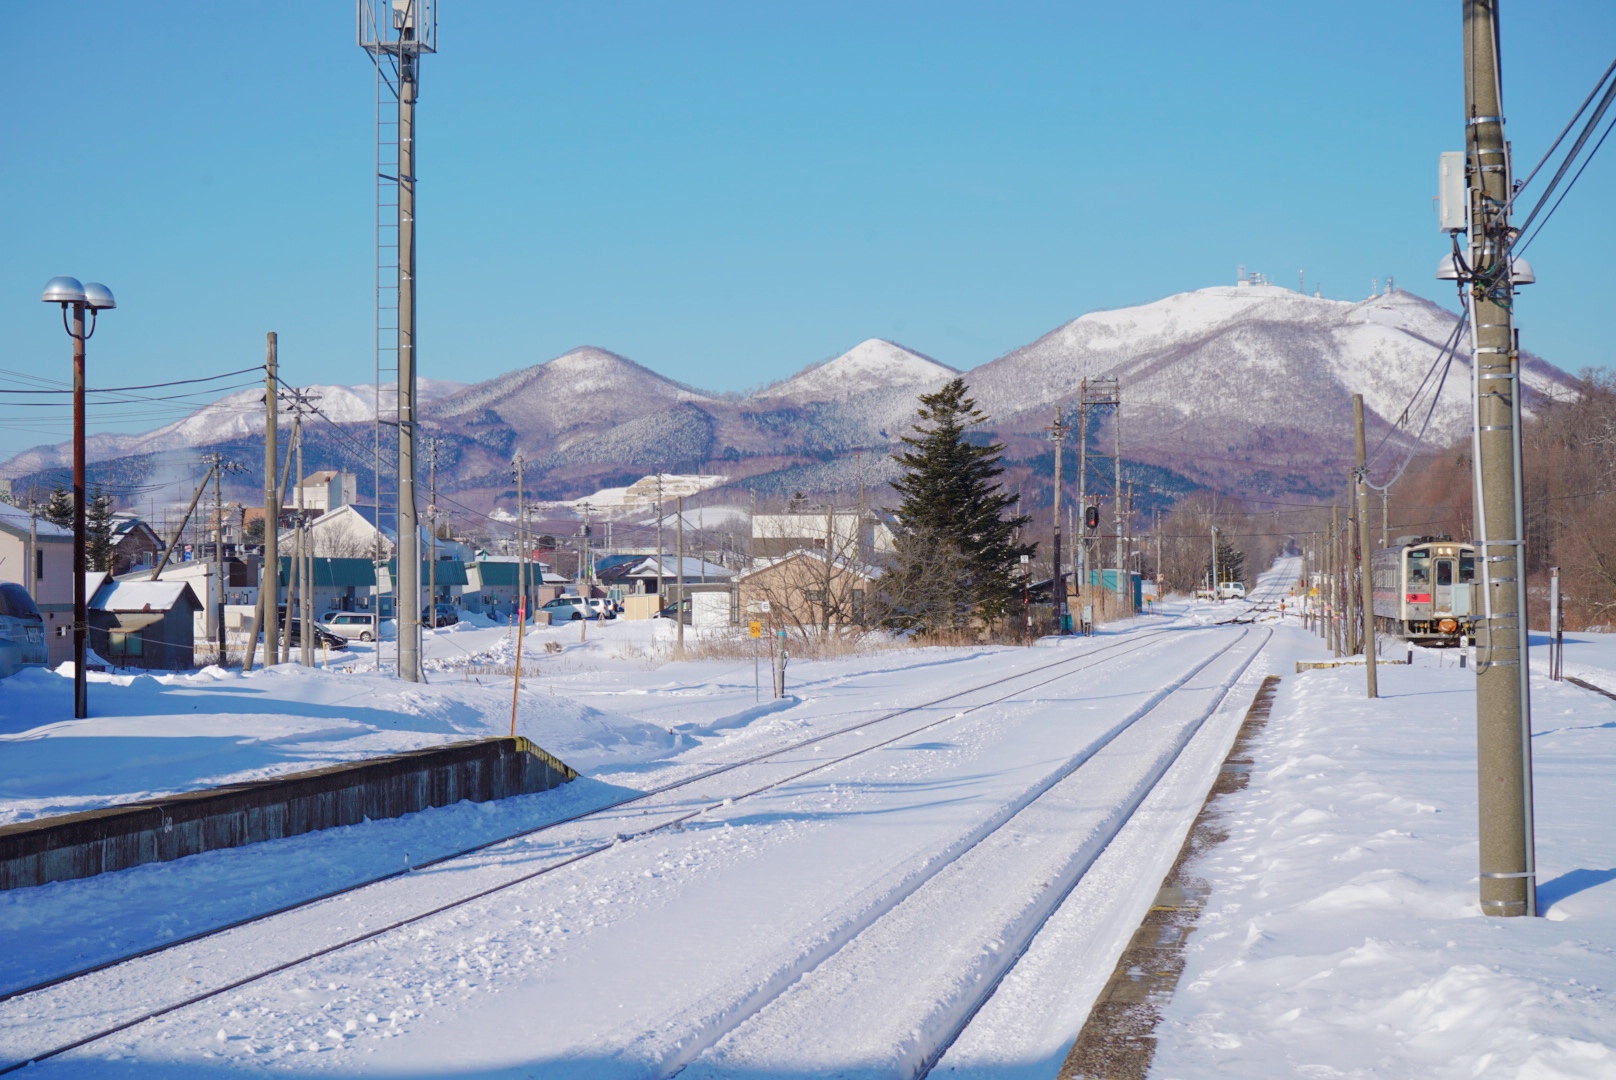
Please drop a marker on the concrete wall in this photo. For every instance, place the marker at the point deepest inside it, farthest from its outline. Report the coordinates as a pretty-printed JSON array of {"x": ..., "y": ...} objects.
[{"x": 157, "y": 830}]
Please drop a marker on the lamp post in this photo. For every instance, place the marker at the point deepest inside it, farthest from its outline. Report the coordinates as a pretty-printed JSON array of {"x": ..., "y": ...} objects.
[{"x": 68, "y": 292}]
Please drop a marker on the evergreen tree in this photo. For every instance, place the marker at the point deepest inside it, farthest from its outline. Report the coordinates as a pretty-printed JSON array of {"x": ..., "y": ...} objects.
[
  {"x": 98, "y": 530},
  {"x": 59, "y": 510},
  {"x": 1231, "y": 562},
  {"x": 956, "y": 557}
]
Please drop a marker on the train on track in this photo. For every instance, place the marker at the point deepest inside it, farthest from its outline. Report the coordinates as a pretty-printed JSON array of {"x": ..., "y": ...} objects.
[{"x": 1424, "y": 589}]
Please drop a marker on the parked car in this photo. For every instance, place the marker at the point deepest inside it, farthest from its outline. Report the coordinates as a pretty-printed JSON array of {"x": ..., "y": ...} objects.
[
  {"x": 677, "y": 609},
  {"x": 569, "y": 608},
  {"x": 602, "y": 607},
  {"x": 440, "y": 615},
  {"x": 22, "y": 624},
  {"x": 1232, "y": 590},
  {"x": 354, "y": 624},
  {"x": 322, "y": 636}
]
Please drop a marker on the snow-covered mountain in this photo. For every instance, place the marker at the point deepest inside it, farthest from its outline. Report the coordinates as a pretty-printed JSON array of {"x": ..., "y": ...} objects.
[
  {"x": 872, "y": 367},
  {"x": 237, "y": 416},
  {"x": 1241, "y": 387}
]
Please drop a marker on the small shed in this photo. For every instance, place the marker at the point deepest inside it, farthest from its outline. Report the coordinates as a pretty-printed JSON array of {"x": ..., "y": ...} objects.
[{"x": 149, "y": 624}]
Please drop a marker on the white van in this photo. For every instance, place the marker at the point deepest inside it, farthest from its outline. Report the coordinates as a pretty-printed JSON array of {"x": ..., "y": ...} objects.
[
  {"x": 1231, "y": 590},
  {"x": 351, "y": 624}
]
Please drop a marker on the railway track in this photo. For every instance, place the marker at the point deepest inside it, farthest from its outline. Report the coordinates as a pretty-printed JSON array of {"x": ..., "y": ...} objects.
[{"x": 665, "y": 807}]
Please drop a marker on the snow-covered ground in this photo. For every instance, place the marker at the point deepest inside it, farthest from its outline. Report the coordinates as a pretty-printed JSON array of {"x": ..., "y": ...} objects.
[{"x": 844, "y": 906}]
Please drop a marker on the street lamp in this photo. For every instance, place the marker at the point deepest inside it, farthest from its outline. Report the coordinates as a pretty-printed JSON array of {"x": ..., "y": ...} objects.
[{"x": 69, "y": 292}]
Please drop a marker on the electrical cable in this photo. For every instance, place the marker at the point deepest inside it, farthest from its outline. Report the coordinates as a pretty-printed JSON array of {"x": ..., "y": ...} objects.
[
  {"x": 1561, "y": 138},
  {"x": 147, "y": 386},
  {"x": 1547, "y": 217}
]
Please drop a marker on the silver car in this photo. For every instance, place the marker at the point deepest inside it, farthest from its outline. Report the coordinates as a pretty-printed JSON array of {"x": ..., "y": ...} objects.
[{"x": 22, "y": 624}]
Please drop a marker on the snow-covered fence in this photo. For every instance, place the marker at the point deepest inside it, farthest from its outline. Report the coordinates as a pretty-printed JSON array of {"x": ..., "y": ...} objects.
[{"x": 158, "y": 830}]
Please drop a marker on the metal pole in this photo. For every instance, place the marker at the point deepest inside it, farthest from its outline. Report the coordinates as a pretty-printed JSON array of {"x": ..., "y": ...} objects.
[
  {"x": 81, "y": 601},
  {"x": 1503, "y": 701},
  {"x": 1554, "y": 623},
  {"x": 269, "y": 572},
  {"x": 1335, "y": 563},
  {"x": 409, "y": 535},
  {"x": 661, "y": 597},
  {"x": 432, "y": 536},
  {"x": 1368, "y": 583},
  {"x": 1082, "y": 482}
]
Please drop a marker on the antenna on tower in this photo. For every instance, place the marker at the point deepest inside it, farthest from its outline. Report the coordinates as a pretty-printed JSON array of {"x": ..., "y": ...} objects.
[
  {"x": 396, "y": 34},
  {"x": 1301, "y": 282}
]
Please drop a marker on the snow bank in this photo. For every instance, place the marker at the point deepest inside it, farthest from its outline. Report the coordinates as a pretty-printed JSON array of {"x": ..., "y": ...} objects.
[{"x": 1343, "y": 936}]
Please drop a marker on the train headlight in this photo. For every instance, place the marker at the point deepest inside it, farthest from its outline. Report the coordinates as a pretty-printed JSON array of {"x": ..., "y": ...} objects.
[{"x": 1448, "y": 626}]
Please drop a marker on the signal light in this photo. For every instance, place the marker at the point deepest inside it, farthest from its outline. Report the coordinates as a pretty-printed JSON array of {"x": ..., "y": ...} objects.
[{"x": 1091, "y": 518}]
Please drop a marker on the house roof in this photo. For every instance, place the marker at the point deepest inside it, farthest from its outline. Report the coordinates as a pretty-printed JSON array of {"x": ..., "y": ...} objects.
[
  {"x": 693, "y": 568},
  {"x": 449, "y": 571},
  {"x": 144, "y": 596},
  {"x": 335, "y": 573},
  {"x": 868, "y": 573},
  {"x": 14, "y": 519}
]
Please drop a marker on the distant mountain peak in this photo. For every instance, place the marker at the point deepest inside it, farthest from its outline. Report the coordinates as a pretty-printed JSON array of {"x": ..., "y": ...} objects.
[{"x": 873, "y": 365}]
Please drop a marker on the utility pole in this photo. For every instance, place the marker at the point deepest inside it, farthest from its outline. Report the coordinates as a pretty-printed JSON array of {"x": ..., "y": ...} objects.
[
  {"x": 1057, "y": 432},
  {"x": 1082, "y": 481},
  {"x": 1217, "y": 593},
  {"x": 521, "y": 549},
  {"x": 218, "y": 555},
  {"x": 1361, "y": 477},
  {"x": 1503, "y": 694},
  {"x": 1116, "y": 458},
  {"x": 408, "y": 596},
  {"x": 661, "y": 596},
  {"x": 1385, "y": 502},
  {"x": 1335, "y": 564},
  {"x": 432, "y": 532},
  {"x": 679, "y": 569},
  {"x": 269, "y": 573}
]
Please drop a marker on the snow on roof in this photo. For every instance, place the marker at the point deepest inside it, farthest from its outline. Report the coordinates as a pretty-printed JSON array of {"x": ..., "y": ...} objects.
[
  {"x": 15, "y": 519},
  {"x": 670, "y": 568},
  {"x": 143, "y": 596}
]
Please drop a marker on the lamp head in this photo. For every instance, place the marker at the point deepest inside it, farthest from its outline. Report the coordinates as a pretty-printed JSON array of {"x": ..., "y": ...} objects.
[
  {"x": 64, "y": 290},
  {"x": 98, "y": 296},
  {"x": 1447, "y": 269}
]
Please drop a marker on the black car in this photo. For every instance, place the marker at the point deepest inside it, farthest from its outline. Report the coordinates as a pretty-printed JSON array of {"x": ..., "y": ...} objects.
[{"x": 322, "y": 636}]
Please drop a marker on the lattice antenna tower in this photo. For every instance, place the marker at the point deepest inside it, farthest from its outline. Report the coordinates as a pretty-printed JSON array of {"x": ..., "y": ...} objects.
[{"x": 396, "y": 34}]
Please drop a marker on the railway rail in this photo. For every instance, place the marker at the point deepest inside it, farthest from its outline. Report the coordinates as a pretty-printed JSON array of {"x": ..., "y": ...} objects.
[{"x": 669, "y": 816}]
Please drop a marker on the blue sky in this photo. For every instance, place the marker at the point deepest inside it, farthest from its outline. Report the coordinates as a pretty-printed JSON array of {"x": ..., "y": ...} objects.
[{"x": 727, "y": 192}]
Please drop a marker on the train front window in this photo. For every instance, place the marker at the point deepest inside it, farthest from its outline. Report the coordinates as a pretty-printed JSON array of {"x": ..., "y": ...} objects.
[
  {"x": 1467, "y": 569},
  {"x": 1419, "y": 568},
  {"x": 1444, "y": 571}
]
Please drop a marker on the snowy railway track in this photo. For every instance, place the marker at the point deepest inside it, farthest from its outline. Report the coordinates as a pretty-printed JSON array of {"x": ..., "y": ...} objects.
[
  {"x": 963, "y": 925},
  {"x": 45, "y": 1037}
]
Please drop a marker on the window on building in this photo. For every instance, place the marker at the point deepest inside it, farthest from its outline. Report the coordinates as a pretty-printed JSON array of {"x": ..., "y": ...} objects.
[{"x": 39, "y": 564}]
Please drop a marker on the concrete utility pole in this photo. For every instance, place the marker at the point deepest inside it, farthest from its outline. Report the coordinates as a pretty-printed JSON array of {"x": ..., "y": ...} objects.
[
  {"x": 218, "y": 554},
  {"x": 521, "y": 548},
  {"x": 679, "y": 569},
  {"x": 269, "y": 573},
  {"x": 1116, "y": 440},
  {"x": 1057, "y": 432},
  {"x": 1503, "y": 695},
  {"x": 1335, "y": 564},
  {"x": 1361, "y": 477},
  {"x": 661, "y": 596},
  {"x": 432, "y": 533},
  {"x": 1082, "y": 540}
]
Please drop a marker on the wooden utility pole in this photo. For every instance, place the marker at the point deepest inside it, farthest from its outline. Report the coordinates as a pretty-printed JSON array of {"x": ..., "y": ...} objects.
[
  {"x": 269, "y": 572},
  {"x": 1361, "y": 477},
  {"x": 1503, "y": 694}
]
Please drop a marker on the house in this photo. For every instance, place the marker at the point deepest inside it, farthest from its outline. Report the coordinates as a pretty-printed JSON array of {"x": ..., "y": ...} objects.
[
  {"x": 203, "y": 578},
  {"x": 339, "y": 584},
  {"x": 448, "y": 576},
  {"x": 149, "y": 624},
  {"x": 492, "y": 586},
  {"x": 808, "y": 589},
  {"x": 348, "y": 532},
  {"x": 134, "y": 544},
  {"x": 39, "y": 556},
  {"x": 844, "y": 534},
  {"x": 639, "y": 577},
  {"x": 325, "y": 491}
]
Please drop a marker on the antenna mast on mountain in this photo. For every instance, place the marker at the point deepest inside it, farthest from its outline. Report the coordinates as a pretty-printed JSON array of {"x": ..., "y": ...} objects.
[{"x": 396, "y": 34}]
